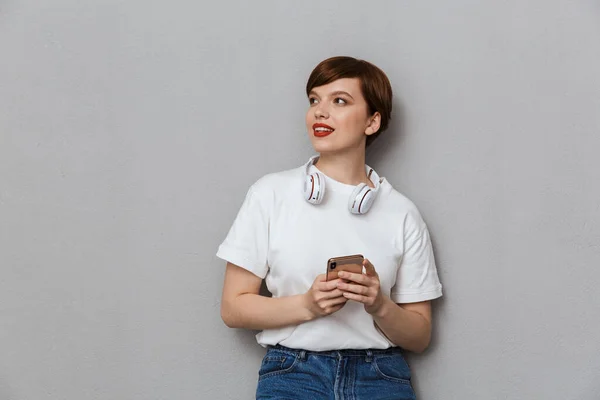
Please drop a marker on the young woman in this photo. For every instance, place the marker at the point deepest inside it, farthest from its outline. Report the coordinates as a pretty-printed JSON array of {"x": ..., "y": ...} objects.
[{"x": 339, "y": 338}]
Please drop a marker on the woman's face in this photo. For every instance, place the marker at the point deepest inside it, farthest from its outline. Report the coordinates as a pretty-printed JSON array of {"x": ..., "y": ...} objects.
[{"x": 338, "y": 117}]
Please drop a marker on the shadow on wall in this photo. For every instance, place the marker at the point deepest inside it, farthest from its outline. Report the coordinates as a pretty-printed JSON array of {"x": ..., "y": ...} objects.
[
  {"x": 379, "y": 151},
  {"x": 246, "y": 339},
  {"x": 437, "y": 305}
]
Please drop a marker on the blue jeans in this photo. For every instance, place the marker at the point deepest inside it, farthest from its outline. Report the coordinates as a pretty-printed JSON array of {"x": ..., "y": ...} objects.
[{"x": 337, "y": 375}]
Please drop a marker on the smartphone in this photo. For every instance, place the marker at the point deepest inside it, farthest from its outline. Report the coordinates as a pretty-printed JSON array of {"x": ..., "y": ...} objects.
[{"x": 351, "y": 263}]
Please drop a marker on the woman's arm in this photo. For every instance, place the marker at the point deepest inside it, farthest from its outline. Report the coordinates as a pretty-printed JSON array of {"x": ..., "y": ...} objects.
[
  {"x": 405, "y": 325},
  {"x": 243, "y": 307}
]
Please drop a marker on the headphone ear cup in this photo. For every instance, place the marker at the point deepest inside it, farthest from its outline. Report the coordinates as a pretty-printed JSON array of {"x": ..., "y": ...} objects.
[
  {"x": 314, "y": 188},
  {"x": 361, "y": 199}
]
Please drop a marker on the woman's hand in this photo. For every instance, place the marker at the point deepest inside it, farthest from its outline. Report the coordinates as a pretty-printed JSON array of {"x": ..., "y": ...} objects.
[
  {"x": 364, "y": 288},
  {"x": 323, "y": 298}
]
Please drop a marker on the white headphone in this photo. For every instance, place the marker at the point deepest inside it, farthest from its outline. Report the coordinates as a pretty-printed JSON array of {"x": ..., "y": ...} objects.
[{"x": 360, "y": 200}]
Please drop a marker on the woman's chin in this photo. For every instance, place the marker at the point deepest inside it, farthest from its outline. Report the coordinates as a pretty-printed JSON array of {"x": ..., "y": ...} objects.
[
  {"x": 322, "y": 145},
  {"x": 325, "y": 149},
  {"x": 330, "y": 148}
]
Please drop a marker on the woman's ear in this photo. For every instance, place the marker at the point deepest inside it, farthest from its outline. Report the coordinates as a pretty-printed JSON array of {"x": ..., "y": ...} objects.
[{"x": 374, "y": 124}]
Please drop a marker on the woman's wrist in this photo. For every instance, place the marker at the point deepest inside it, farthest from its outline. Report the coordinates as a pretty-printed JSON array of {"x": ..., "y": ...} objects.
[
  {"x": 307, "y": 312},
  {"x": 383, "y": 308}
]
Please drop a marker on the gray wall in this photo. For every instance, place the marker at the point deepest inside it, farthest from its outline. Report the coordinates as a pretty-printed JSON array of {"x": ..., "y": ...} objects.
[{"x": 131, "y": 130}]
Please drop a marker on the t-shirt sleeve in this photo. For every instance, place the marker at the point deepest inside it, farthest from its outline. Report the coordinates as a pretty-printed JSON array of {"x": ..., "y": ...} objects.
[
  {"x": 417, "y": 278},
  {"x": 246, "y": 244}
]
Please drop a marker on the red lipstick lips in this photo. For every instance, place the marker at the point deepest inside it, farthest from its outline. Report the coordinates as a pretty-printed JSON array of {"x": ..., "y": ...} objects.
[{"x": 322, "y": 130}]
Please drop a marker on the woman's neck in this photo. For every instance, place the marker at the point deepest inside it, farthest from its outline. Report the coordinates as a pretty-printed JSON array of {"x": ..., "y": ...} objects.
[{"x": 348, "y": 168}]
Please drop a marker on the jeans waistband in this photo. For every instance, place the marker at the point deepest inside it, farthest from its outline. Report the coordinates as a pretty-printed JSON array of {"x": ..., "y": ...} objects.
[{"x": 368, "y": 353}]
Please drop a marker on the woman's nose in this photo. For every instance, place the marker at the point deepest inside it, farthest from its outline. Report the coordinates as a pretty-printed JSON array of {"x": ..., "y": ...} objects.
[{"x": 321, "y": 111}]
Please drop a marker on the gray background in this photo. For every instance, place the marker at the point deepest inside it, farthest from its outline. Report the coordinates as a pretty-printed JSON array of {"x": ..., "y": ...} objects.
[{"x": 131, "y": 130}]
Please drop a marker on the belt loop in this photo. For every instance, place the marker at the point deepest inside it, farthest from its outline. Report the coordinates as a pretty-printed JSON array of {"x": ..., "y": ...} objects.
[
  {"x": 302, "y": 355},
  {"x": 369, "y": 357}
]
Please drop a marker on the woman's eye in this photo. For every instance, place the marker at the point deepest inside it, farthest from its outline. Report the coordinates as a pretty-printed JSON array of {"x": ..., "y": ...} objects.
[
  {"x": 312, "y": 100},
  {"x": 339, "y": 100}
]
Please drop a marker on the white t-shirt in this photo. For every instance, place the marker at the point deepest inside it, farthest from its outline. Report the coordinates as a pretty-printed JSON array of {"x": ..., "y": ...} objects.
[{"x": 279, "y": 236}]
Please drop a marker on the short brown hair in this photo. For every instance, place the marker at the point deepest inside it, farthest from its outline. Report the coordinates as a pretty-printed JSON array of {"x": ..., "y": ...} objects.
[{"x": 375, "y": 85}]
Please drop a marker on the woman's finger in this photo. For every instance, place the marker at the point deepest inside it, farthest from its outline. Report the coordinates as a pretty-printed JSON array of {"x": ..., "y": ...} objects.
[
  {"x": 327, "y": 286},
  {"x": 332, "y": 294},
  {"x": 334, "y": 302},
  {"x": 356, "y": 297},
  {"x": 369, "y": 268},
  {"x": 358, "y": 289},
  {"x": 357, "y": 278}
]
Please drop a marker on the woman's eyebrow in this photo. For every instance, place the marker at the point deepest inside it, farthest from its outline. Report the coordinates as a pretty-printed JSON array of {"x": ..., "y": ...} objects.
[
  {"x": 336, "y": 93},
  {"x": 341, "y": 92}
]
